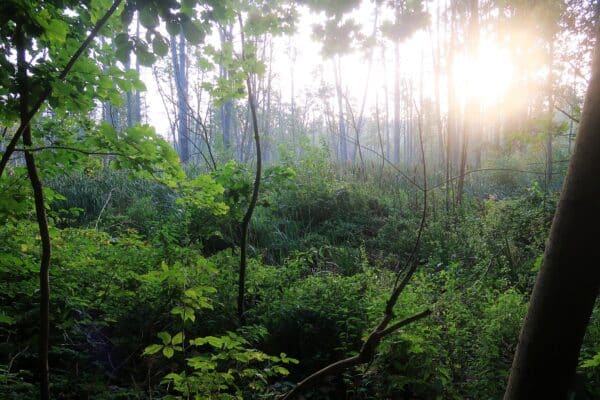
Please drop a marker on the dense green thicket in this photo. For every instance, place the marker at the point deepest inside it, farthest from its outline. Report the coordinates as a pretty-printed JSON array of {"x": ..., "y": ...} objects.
[{"x": 139, "y": 269}]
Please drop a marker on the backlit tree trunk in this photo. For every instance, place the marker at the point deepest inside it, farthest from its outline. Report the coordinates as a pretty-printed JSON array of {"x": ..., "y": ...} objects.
[{"x": 568, "y": 282}]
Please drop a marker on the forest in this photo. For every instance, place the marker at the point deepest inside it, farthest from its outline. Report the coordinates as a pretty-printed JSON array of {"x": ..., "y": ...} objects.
[{"x": 310, "y": 199}]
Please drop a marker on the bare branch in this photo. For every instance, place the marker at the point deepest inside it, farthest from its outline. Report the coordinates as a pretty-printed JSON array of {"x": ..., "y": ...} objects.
[
  {"x": 404, "y": 322},
  {"x": 369, "y": 346},
  {"x": 75, "y": 149},
  {"x": 570, "y": 116}
]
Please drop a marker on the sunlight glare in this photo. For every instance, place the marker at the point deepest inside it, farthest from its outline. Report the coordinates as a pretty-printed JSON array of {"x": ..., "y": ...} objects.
[{"x": 485, "y": 79}]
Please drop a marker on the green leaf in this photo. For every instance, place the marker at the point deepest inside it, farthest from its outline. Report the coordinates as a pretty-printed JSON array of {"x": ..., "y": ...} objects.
[
  {"x": 153, "y": 349},
  {"x": 148, "y": 17},
  {"x": 178, "y": 338},
  {"x": 280, "y": 370},
  {"x": 121, "y": 39},
  {"x": 173, "y": 376},
  {"x": 537, "y": 264},
  {"x": 56, "y": 31},
  {"x": 168, "y": 352},
  {"x": 165, "y": 337},
  {"x": 592, "y": 362},
  {"x": 185, "y": 312},
  {"x": 192, "y": 32},
  {"x": 122, "y": 53},
  {"x": 212, "y": 340},
  {"x": 202, "y": 363},
  {"x": 160, "y": 46},
  {"x": 5, "y": 319},
  {"x": 144, "y": 56},
  {"x": 173, "y": 27}
]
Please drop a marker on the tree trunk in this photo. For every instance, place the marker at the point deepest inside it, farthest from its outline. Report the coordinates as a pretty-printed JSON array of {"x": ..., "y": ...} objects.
[
  {"x": 437, "y": 71},
  {"x": 226, "y": 110},
  {"x": 568, "y": 282},
  {"x": 137, "y": 105},
  {"x": 386, "y": 99},
  {"x": 471, "y": 125},
  {"x": 40, "y": 211},
  {"x": 396, "y": 102},
  {"x": 341, "y": 121},
  {"x": 255, "y": 190},
  {"x": 129, "y": 97},
  {"x": 550, "y": 133},
  {"x": 451, "y": 142},
  {"x": 109, "y": 113},
  {"x": 179, "y": 67},
  {"x": 267, "y": 108}
]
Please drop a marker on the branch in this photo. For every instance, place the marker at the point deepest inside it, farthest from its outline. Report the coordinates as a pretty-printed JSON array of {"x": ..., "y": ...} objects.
[
  {"x": 364, "y": 356},
  {"x": 570, "y": 116},
  {"x": 369, "y": 346},
  {"x": 26, "y": 120},
  {"x": 485, "y": 170},
  {"x": 212, "y": 163},
  {"x": 391, "y": 164},
  {"x": 579, "y": 73},
  {"x": 93, "y": 153},
  {"x": 75, "y": 149},
  {"x": 103, "y": 208},
  {"x": 404, "y": 322}
]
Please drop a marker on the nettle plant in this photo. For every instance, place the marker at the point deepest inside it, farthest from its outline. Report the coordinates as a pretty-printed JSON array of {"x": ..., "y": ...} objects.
[{"x": 215, "y": 367}]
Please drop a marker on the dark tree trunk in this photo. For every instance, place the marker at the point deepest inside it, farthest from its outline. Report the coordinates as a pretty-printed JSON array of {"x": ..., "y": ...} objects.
[
  {"x": 567, "y": 285},
  {"x": 255, "y": 190},
  {"x": 40, "y": 212}
]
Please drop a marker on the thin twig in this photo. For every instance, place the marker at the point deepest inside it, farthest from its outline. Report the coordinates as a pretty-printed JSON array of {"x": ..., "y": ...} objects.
[
  {"x": 568, "y": 115},
  {"x": 103, "y": 208}
]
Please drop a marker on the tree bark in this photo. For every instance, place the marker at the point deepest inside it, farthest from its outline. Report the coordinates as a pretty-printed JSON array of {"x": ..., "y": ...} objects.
[{"x": 568, "y": 282}]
